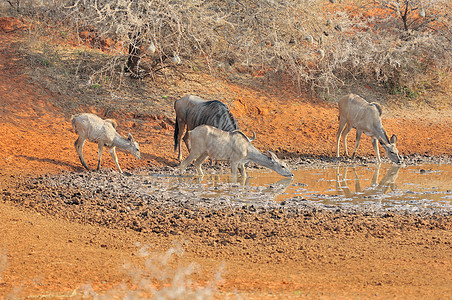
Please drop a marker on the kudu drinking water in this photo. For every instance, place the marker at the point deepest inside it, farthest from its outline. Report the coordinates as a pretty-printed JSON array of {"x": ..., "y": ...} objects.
[
  {"x": 208, "y": 141},
  {"x": 103, "y": 132},
  {"x": 355, "y": 112},
  {"x": 192, "y": 111}
]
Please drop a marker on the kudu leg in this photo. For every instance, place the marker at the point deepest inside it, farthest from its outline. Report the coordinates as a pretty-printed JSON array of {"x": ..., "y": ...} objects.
[
  {"x": 377, "y": 151},
  {"x": 342, "y": 123},
  {"x": 191, "y": 157},
  {"x": 358, "y": 139},
  {"x": 234, "y": 167},
  {"x": 79, "y": 143},
  {"x": 115, "y": 158},
  {"x": 242, "y": 169},
  {"x": 345, "y": 134},
  {"x": 99, "y": 153},
  {"x": 198, "y": 163}
]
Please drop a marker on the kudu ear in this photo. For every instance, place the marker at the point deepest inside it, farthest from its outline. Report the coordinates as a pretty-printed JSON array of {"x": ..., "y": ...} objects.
[
  {"x": 130, "y": 137},
  {"x": 254, "y": 136},
  {"x": 112, "y": 122},
  {"x": 393, "y": 139},
  {"x": 272, "y": 155}
]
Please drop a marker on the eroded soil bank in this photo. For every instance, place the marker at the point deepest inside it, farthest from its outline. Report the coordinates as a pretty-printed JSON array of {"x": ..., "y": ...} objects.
[{"x": 67, "y": 232}]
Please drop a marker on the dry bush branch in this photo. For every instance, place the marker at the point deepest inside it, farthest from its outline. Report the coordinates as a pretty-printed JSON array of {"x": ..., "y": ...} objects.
[{"x": 320, "y": 45}]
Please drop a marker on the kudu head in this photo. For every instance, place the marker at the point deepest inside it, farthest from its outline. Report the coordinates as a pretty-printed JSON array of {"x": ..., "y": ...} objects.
[
  {"x": 134, "y": 147},
  {"x": 278, "y": 166},
  {"x": 392, "y": 151}
]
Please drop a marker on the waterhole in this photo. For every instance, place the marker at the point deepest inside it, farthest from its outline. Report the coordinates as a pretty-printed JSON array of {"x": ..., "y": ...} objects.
[{"x": 424, "y": 186}]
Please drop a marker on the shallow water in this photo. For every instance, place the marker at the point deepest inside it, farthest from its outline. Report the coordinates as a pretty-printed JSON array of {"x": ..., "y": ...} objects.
[{"x": 427, "y": 186}]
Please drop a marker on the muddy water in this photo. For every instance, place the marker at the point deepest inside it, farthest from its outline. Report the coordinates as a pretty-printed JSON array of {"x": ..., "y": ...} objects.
[{"x": 423, "y": 186}]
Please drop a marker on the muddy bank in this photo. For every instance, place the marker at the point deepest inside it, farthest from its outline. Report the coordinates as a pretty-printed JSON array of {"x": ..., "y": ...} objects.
[{"x": 158, "y": 200}]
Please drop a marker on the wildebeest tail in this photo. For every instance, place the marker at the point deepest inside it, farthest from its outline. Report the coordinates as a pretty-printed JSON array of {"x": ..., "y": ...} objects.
[{"x": 176, "y": 133}]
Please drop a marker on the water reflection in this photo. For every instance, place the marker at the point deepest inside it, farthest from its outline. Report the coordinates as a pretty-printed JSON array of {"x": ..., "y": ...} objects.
[
  {"x": 387, "y": 183},
  {"x": 215, "y": 179},
  {"x": 280, "y": 186},
  {"x": 226, "y": 185}
]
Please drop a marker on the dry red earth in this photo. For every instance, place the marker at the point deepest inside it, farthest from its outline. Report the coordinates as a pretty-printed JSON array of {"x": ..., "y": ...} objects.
[{"x": 52, "y": 256}]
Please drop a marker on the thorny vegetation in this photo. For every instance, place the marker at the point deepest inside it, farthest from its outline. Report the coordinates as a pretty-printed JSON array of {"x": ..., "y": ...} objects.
[{"x": 321, "y": 45}]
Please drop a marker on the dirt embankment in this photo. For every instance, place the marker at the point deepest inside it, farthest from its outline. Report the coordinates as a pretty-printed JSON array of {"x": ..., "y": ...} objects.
[{"x": 55, "y": 240}]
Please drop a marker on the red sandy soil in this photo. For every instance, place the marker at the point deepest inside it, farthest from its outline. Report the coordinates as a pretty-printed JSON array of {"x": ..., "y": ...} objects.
[{"x": 49, "y": 256}]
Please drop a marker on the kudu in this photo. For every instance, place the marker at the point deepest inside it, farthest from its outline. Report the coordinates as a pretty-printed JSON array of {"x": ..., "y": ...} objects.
[
  {"x": 355, "y": 112},
  {"x": 235, "y": 147},
  {"x": 103, "y": 132},
  {"x": 192, "y": 111}
]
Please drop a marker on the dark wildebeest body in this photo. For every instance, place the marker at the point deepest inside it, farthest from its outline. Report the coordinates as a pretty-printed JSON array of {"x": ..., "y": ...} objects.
[{"x": 192, "y": 111}]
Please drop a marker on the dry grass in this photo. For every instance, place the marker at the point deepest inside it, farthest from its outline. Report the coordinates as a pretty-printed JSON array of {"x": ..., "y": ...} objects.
[{"x": 323, "y": 48}]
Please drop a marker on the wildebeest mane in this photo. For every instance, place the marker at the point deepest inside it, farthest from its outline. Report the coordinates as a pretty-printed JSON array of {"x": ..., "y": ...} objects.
[{"x": 213, "y": 113}]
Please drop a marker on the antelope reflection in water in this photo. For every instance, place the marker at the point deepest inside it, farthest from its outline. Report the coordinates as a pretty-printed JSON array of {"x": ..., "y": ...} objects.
[
  {"x": 275, "y": 189},
  {"x": 376, "y": 188}
]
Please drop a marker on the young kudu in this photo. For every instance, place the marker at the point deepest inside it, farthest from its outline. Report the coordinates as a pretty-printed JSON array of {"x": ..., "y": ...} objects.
[
  {"x": 91, "y": 127},
  {"x": 208, "y": 141}
]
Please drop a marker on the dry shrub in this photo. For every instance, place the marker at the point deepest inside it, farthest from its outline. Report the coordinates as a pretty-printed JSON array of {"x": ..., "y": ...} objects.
[
  {"x": 398, "y": 48},
  {"x": 322, "y": 46}
]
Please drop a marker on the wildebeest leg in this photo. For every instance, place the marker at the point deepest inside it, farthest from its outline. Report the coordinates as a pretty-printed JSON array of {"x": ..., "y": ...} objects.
[
  {"x": 377, "y": 151},
  {"x": 345, "y": 134},
  {"x": 181, "y": 133},
  {"x": 199, "y": 161},
  {"x": 79, "y": 143},
  {"x": 115, "y": 158},
  {"x": 342, "y": 123},
  {"x": 358, "y": 138}
]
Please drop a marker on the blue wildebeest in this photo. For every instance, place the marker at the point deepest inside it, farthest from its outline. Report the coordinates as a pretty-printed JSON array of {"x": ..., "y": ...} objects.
[
  {"x": 192, "y": 111},
  {"x": 355, "y": 112}
]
